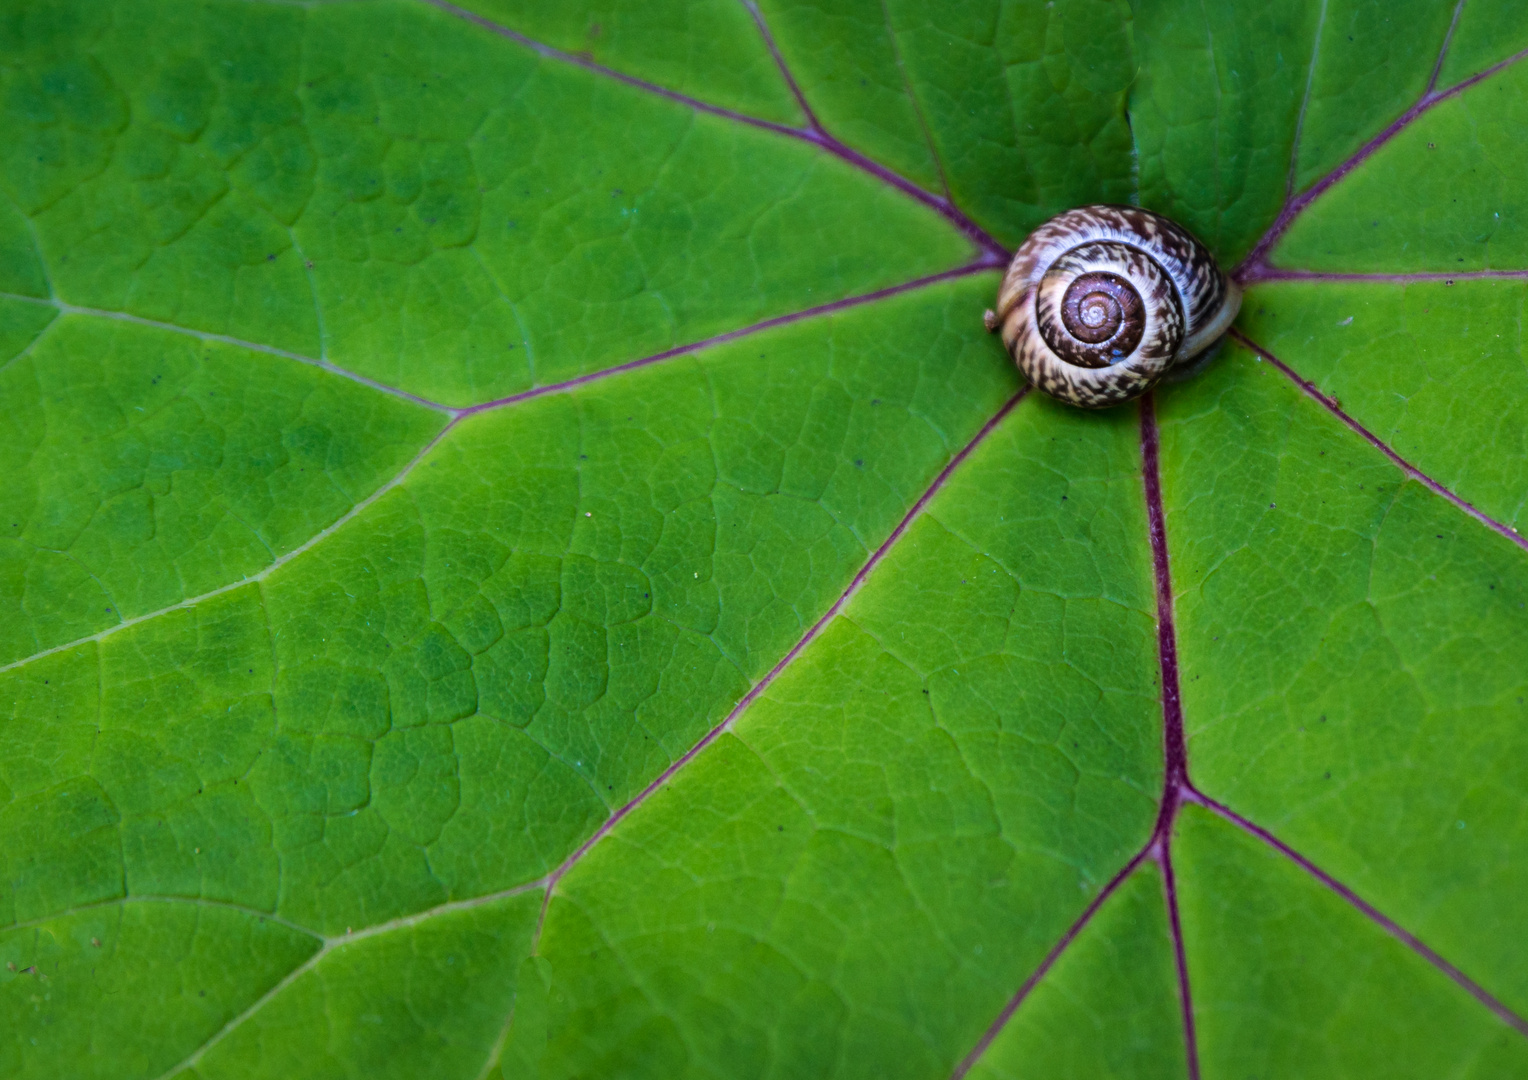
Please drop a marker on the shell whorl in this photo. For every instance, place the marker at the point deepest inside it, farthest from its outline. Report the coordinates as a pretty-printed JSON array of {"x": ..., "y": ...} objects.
[{"x": 1101, "y": 301}]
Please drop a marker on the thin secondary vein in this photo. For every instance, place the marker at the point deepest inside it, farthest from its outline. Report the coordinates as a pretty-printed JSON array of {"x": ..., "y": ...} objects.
[
  {"x": 331, "y": 944},
  {"x": 27, "y": 350},
  {"x": 1448, "y": 39},
  {"x": 780, "y": 64},
  {"x": 195, "y": 901},
  {"x": 261, "y": 575},
  {"x": 42, "y": 263},
  {"x": 1209, "y": 40},
  {"x": 1383, "y": 447},
  {"x": 190, "y": 1060},
  {"x": 1390, "y": 926},
  {"x": 912, "y": 96},
  {"x": 224, "y": 339},
  {"x": 318, "y": 309},
  {"x": 403, "y": 922},
  {"x": 496, "y": 1051},
  {"x": 1310, "y": 80},
  {"x": 514, "y": 309}
]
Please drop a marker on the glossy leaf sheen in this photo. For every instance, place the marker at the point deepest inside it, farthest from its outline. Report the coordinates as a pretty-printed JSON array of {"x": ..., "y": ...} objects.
[{"x": 520, "y": 560}]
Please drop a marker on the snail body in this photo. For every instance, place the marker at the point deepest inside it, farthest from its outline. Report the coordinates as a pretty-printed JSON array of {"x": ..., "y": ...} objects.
[{"x": 1101, "y": 301}]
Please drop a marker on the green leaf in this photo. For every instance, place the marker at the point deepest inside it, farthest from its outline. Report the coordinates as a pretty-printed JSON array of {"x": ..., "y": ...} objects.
[{"x": 520, "y": 560}]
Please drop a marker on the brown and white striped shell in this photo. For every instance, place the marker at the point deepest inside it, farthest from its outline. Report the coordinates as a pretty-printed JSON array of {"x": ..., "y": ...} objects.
[{"x": 1101, "y": 301}]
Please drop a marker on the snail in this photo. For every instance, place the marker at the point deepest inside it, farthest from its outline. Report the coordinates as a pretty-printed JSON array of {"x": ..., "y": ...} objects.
[{"x": 1101, "y": 301}]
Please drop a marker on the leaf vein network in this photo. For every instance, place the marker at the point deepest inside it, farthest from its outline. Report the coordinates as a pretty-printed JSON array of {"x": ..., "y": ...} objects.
[{"x": 1178, "y": 788}]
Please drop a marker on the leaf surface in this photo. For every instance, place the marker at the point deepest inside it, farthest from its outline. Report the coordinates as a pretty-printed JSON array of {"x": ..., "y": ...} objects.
[{"x": 520, "y": 559}]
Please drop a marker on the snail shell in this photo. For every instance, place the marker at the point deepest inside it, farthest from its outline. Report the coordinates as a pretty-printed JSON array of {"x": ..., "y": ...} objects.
[{"x": 1101, "y": 301}]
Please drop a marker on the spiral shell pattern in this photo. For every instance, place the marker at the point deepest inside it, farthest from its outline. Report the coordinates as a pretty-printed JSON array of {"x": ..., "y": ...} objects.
[{"x": 1100, "y": 302}]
